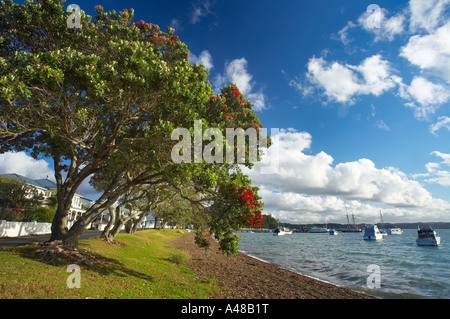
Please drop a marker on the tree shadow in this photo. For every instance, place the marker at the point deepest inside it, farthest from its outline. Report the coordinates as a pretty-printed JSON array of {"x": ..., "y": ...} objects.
[{"x": 54, "y": 255}]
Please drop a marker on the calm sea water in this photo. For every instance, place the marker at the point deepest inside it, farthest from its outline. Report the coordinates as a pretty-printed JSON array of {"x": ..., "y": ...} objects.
[{"x": 406, "y": 270}]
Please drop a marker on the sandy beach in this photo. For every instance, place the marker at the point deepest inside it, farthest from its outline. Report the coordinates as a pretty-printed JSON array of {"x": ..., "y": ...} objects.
[{"x": 245, "y": 277}]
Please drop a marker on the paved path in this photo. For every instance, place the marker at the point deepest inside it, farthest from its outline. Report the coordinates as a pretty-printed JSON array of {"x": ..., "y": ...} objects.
[{"x": 24, "y": 240}]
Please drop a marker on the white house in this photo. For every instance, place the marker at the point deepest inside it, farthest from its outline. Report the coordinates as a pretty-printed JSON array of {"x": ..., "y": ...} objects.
[{"x": 47, "y": 188}]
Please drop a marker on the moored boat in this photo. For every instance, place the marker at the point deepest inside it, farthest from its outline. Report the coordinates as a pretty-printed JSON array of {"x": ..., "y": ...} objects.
[
  {"x": 427, "y": 237},
  {"x": 282, "y": 232},
  {"x": 395, "y": 231},
  {"x": 333, "y": 232},
  {"x": 319, "y": 230},
  {"x": 372, "y": 232}
]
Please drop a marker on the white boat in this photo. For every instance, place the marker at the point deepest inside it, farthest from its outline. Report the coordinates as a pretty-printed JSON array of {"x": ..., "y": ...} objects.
[
  {"x": 282, "y": 232},
  {"x": 427, "y": 237},
  {"x": 333, "y": 232},
  {"x": 395, "y": 231},
  {"x": 319, "y": 230},
  {"x": 372, "y": 233}
]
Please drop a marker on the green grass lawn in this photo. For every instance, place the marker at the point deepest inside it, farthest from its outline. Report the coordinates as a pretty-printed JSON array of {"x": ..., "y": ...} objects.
[{"x": 144, "y": 265}]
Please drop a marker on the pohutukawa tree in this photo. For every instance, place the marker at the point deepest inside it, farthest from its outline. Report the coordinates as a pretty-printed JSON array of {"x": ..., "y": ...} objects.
[{"x": 106, "y": 96}]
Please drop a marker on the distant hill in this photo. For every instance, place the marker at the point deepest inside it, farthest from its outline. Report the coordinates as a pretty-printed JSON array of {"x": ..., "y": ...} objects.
[{"x": 435, "y": 225}]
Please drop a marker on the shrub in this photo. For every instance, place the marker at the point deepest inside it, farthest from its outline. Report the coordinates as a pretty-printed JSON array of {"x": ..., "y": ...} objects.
[
  {"x": 42, "y": 214},
  {"x": 179, "y": 257}
]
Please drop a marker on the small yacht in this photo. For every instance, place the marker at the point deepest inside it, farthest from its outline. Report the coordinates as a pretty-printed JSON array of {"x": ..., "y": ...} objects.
[
  {"x": 319, "y": 230},
  {"x": 333, "y": 232},
  {"x": 372, "y": 233},
  {"x": 282, "y": 232},
  {"x": 427, "y": 237},
  {"x": 395, "y": 231}
]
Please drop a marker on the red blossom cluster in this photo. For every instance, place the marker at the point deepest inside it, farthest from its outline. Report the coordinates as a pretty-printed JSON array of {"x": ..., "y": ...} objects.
[
  {"x": 153, "y": 28},
  {"x": 248, "y": 200},
  {"x": 235, "y": 92},
  {"x": 229, "y": 115},
  {"x": 145, "y": 25}
]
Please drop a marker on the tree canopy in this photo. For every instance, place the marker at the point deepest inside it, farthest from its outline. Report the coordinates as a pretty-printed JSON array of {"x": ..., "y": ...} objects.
[{"x": 102, "y": 101}]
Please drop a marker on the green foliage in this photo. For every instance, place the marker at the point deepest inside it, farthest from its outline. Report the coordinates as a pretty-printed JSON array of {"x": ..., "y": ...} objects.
[
  {"x": 137, "y": 268},
  {"x": 179, "y": 257},
  {"x": 270, "y": 222},
  {"x": 104, "y": 99},
  {"x": 17, "y": 195},
  {"x": 42, "y": 214}
]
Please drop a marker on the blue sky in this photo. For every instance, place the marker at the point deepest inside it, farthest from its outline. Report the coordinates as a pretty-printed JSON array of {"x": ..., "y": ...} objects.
[{"x": 359, "y": 89}]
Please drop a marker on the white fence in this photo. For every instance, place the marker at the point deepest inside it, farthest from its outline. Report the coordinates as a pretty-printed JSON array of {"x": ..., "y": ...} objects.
[{"x": 16, "y": 229}]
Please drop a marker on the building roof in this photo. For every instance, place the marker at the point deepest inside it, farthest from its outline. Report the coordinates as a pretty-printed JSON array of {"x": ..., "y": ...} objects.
[{"x": 42, "y": 183}]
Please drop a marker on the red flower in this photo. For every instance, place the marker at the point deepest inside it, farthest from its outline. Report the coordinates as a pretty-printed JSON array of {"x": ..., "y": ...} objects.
[{"x": 138, "y": 24}]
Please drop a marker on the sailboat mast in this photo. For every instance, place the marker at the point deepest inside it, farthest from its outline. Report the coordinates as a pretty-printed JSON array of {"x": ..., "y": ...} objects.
[
  {"x": 381, "y": 217},
  {"x": 348, "y": 221},
  {"x": 353, "y": 217}
]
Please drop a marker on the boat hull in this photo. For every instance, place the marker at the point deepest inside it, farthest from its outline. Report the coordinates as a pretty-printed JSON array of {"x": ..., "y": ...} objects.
[
  {"x": 373, "y": 237},
  {"x": 395, "y": 231},
  {"x": 372, "y": 233},
  {"x": 282, "y": 233},
  {"x": 428, "y": 242}
]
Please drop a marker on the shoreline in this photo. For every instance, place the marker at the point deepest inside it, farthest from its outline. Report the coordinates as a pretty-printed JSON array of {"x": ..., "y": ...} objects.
[
  {"x": 296, "y": 272},
  {"x": 246, "y": 277}
]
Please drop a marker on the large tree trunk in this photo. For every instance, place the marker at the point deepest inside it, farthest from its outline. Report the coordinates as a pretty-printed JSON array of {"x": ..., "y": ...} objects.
[
  {"x": 59, "y": 224},
  {"x": 65, "y": 193},
  {"x": 70, "y": 239}
]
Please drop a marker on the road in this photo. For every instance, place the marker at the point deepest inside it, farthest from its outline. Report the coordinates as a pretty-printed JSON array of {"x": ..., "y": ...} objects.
[{"x": 25, "y": 240}]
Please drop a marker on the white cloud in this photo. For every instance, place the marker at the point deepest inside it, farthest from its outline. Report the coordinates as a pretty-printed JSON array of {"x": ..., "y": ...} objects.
[
  {"x": 443, "y": 122},
  {"x": 428, "y": 95},
  {"x": 384, "y": 28},
  {"x": 430, "y": 52},
  {"x": 258, "y": 100},
  {"x": 204, "y": 58},
  {"x": 200, "y": 9},
  {"x": 342, "y": 83},
  {"x": 236, "y": 72},
  {"x": 315, "y": 175},
  {"x": 310, "y": 187},
  {"x": 437, "y": 174},
  {"x": 383, "y": 126},
  {"x": 175, "y": 24},
  {"x": 342, "y": 34},
  {"x": 445, "y": 157},
  {"x": 22, "y": 164},
  {"x": 427, "y": 14},
  {"x": 375, "y": 22}
]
